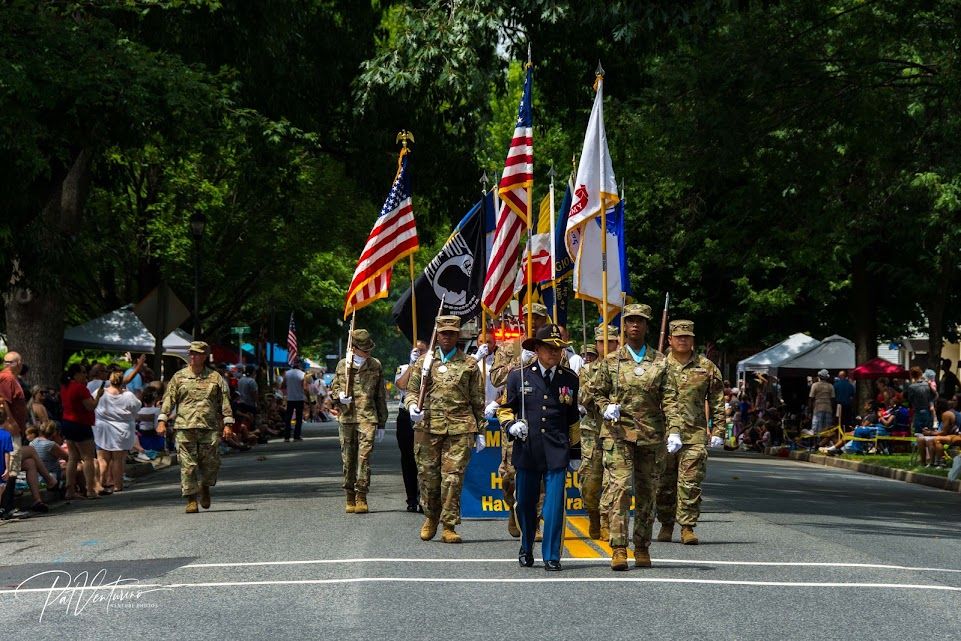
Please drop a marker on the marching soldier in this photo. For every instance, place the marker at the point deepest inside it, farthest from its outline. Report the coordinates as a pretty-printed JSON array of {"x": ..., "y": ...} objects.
[
  {"x": 362, "y": 418},
  {"x": 451, "y": 420},
  {"x": 540, "y": 414},
  {"x": 629, "y": 385},
  {"x": 591, "y": 472},
  {"x": 202, "y": 400},
  {"x": 691, "y": 380}
]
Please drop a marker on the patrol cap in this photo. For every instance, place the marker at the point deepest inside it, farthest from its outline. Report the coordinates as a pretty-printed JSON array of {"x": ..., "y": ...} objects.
[
  {"x": 546, "y": 335},
  {"x": 448, "y": 323},
  {"x": 536, "y": 309},
  {"x": 637, "y": 309},
  {"x": 587, "y": 348},
  {"x": 612, "y": 332},
  {"x": 198, "y": 347},
  {"x": 361, "y": 340},
  {"x": 682, "y": 328}
]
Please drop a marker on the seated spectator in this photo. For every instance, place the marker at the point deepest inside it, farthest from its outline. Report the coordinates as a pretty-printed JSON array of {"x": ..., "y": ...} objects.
[
  {"x": 30, "y": 464},
  {"x": 46, "y": 440},
  {"x": 931, "y": 441}
]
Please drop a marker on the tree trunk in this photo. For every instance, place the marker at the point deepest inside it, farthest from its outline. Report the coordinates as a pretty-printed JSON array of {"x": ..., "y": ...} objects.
[
  {"x": 865, "y": 320},
  {"x": 35, "y": 330},
  {"x": 934, "y": 311}
]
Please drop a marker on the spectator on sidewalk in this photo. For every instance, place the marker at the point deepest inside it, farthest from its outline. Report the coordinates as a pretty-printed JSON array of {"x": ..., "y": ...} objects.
[
  {"x": 37, "y": 411},
  {"x": 821, "y": 403},
  {"x": 295, "y": 386},
  {"x": 931, "y": 441},
  {"x": 51, "y": 453},
  {"x": 844, "y": 395},
  {"x": 133, "y": 379},
  {"x": 77, "y": 429},
  {"x": 920, "y": 398},
  {"x": 247, "y": 392},
  {"x": 949, "y": 384},
  {"x": 96, "y": 374},
  {"x": 114, "y": 432}
]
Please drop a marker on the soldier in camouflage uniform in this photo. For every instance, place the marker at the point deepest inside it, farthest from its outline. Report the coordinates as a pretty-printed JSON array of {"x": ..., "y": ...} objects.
[
  {"x": 628, "y": 389},
  {"x": 363, "y": 414},
  {"x": 692, "y": 379},
  {"x": 591, "y": 472},
  {"x": 451, "y": 420},
  {"x": 508, "y": 357},
  {"x": 202, "y": 399}
]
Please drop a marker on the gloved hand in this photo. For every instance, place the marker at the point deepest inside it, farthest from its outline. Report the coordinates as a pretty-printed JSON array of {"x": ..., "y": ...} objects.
[
  {"x": 480, "y": 442},
  {"x": 482, "y": 352},
  {"x": 414, "y": 355},
  {"x": 518, "y": 429},
  {"x": 416, "y": 414},
  {"x": 674, "y": 443},
  {"x": 612, "y": 412},
  {"x": 574, "y": 464},
  {"x": 428, "y": 360},
  {"x": 344, "y": 399},
  {"x": 582, "y": 410},
  {"x": 716, "y": 442},
  {"x": 527, "y": 356},
  {"x": 491, "y": 410},
  {"x": 379, "y": 435}
]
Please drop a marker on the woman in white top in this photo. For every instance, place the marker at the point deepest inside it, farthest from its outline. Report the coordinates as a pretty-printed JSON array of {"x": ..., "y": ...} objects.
[{"x": 113, "y": 431}]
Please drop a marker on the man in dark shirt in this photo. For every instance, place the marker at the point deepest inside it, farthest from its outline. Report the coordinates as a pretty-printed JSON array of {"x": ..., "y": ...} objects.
[
  {"x": 844, "y": 395},
  {"x": 949, "y": 383},
  {"x": 920, "y": 398}
]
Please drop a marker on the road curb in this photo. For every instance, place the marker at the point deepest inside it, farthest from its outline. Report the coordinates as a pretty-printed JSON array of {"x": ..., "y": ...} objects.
[{"x": 937, "y": 482}]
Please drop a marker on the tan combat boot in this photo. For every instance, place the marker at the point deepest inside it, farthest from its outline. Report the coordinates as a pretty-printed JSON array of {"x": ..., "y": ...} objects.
[
  {"x": 687, "y": 535},
  {"x": 619, "y": 559},
  {"x": 594, "y": 524},
  {"x": 642, "y": 558},
  {"x": 192, "y": 507},
  {"x": 666, "y": 533},
  {"x": 360, "y": 504},
  {"x": 512, "y": 528},
  {"x": 449, "y": 535},
  {"x": 351, "y": 503},
  {"x": 428, "y": 529},
  {"x": 205, "y": 497}
]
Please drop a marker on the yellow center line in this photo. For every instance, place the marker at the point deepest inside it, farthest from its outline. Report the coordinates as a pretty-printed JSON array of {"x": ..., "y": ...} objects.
[
  {"x": 581, "y": 525},
  {"x": 577, "y": 548}
]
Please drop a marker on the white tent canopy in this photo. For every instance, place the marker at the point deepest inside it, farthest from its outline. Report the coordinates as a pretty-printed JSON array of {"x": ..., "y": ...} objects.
[
  {"x": 833, "y": 353},
  {"x": 122, "y": 331},
  {"x": 769, "y": 360}
]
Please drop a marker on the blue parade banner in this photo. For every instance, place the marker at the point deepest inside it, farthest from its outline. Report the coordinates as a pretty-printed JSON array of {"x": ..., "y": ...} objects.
[{"x": 483, "y": 495}]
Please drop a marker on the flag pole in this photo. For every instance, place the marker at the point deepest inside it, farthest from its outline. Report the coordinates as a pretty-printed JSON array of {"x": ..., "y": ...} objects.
[
  {"x": 483, "y": 362},
  {"x": 552, "y": 174},
  {"x": 403, "y": 137},
  {"x": 530, "y": 237},
  {"x": 599, "y": 73}
]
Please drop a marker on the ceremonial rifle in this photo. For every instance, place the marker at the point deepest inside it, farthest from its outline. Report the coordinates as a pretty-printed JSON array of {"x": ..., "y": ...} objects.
[
  {"x": 660, "y": 342},
  {"x": 350, "y": 357}
]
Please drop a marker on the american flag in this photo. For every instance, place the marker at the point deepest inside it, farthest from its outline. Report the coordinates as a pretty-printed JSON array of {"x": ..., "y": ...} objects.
[
  {"x": 291, "y": 342},
  {"x": 518, "y": 176},
  {"x": 393, "y": 237}
]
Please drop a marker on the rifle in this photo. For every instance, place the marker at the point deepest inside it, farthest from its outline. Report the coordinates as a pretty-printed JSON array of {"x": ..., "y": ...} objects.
[
  {"x": 350, "y": 357},
  {"x": 660, "y": 342},
  {"x": 430, "y": 350}
]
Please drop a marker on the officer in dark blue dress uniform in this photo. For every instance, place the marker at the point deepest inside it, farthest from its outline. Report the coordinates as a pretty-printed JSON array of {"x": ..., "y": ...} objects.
[{"x": 539, "y": 413}]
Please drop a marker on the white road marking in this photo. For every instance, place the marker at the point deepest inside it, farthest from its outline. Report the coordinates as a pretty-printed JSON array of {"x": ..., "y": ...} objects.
[
  {"x": 867, "y": 566},
  {"x": 628, "y": 579}
]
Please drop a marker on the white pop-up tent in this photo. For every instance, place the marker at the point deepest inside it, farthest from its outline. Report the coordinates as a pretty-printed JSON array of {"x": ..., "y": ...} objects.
[
  {"x": 769, "y": 360},
  {"x": 121, "y": 331},
  {"x": 833, "y": 353}
]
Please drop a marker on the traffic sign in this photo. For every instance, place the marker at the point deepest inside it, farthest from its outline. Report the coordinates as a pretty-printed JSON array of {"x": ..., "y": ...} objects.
[{"x": 240, "y": 330}]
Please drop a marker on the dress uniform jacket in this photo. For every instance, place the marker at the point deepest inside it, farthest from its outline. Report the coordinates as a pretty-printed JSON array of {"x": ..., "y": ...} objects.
[{"x": 553, "y": 420}]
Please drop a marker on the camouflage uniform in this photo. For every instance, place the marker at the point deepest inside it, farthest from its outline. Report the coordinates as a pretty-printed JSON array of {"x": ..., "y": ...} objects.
[
  {"x": 454, "y": 414},
  {"x": 202, "y": 400},
  {"x": 634, "y": 444},
  {"x": 688, "y": 386},
  {"x": 359, "y": 420}
]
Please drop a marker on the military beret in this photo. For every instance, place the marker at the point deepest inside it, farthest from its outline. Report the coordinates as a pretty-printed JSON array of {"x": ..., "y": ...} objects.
[
  {"x": 361, "y": 340},
  {"x": 199, "y": 347},
  {"x": 682, "y": 328},
  {"x": 536, "y": 309},
  {"x": 612, "y": 332},
  {"x": 637, "y": 309},
  {"x": 448, "y": 323}
]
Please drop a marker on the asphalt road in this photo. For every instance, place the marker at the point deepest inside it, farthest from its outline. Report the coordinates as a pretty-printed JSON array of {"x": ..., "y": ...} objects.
[{"x": 789, "y": 551}]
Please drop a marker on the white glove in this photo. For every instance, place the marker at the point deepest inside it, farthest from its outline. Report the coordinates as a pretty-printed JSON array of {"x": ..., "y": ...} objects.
[
  {"x": 582, "y": 410},
  {"x": 518, "y": 429},
  {"x": 416, "y": 414},
  {"x": 674, "y": 443},
  {"x": 526, "y": 355},
  {"x": 428, "y": 360},
  {"x": 414, "y": 355},
  {"x": 379, "y": 435},
  {"x": 344, "y": 399},
  {"x": 479, "y": 443},
  {"x": 482, "y": 352},
  {"x": 574, "y": 464},
  {"x": 491, "y": 410},
  {"x": 716, "y": 442},
  {"x": 612, "y": 412}
]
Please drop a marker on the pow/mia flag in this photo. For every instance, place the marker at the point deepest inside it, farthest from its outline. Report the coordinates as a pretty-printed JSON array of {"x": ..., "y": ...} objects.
[{"x": 456, "y": 273}]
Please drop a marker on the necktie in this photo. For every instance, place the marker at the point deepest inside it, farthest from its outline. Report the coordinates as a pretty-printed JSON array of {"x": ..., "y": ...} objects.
[{"x": 548, "y": 374}]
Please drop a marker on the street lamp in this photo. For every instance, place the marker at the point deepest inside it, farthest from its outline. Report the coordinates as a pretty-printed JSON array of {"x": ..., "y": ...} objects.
[{"x": 197, "y": 223}]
